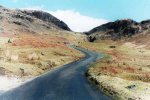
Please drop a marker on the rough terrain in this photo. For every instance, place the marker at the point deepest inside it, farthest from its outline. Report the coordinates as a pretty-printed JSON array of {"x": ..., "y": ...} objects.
[
  {"x": 123, "y": 73},
  {"x": 34, "y": 42},
  {"x": 65, "y": 83}
]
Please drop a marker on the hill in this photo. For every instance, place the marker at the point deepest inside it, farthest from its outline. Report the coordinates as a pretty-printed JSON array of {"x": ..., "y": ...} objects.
[
  {"x": 31, "y": 21},
  {"x": 120, "y": 29},
  {"x": 33, "y": 42},
  {"x": 123, "y": 72}
]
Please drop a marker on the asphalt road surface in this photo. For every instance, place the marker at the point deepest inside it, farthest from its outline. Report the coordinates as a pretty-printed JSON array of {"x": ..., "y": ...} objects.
[{"x": 65, "y": 83}]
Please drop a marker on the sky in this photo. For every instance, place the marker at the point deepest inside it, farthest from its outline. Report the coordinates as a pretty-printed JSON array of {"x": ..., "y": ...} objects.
[{"x": 83, "y": 15}]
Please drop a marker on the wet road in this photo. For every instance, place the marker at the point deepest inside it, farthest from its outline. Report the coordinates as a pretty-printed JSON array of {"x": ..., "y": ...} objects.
[{"x": 65, "y": 83}]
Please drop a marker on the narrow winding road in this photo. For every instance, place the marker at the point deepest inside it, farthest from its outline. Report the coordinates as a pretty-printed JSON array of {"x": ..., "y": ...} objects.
[{"x": 65, "y": 83}]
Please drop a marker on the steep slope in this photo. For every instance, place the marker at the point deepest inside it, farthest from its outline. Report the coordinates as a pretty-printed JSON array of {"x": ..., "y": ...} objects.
[
  {"x": 32, "y": 42},
  {"x": 120, "y": 29},
  {"x": 21, "y": 21},
  {"x": 142, "y": 39},
  {"x": 48, "y": 18}
]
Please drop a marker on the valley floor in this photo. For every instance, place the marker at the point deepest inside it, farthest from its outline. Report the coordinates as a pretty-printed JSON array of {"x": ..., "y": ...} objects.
[{"x": 124, "y": 72}]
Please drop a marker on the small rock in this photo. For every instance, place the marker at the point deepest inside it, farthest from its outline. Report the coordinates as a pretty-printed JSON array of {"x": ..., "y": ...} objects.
[{"x": 131, "y": 86}]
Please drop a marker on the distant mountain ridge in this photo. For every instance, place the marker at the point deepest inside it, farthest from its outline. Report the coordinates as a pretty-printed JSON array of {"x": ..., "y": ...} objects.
[
  {"x": 117, "y": 30},
  {"x": 47, "y": 17},
  {"x": 15, "y": 21}
]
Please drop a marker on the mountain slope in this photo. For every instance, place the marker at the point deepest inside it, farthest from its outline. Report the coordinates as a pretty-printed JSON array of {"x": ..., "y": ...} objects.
[
  {"x": 32, "y": 42},
  {"x": 21, "y": 21},
  {"x": 124, "y": 70},
  {"x": 48, "y": 18},
  {"x": 117, "y": 30}
]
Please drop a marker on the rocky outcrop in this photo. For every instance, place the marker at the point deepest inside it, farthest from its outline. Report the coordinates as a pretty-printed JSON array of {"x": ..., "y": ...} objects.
[
  {"x": 48, "y": 18},
  {"x": 118, "y": 30},
  {"x": 145, "y": 24}
]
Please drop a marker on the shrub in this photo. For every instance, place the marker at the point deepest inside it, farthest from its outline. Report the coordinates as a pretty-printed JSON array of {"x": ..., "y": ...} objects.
[
  {"x": 22, "y": 72},
  {"x": 9, "y": 41},
  {"x": 112, "y": 46}
]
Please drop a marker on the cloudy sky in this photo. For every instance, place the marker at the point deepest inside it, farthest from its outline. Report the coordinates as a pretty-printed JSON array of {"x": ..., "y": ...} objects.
[{"x": 83, "y": 15}]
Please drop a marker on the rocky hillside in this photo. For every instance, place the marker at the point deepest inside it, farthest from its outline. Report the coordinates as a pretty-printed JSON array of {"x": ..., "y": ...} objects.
[
  {"x": 48, "y": 18},
  {"x": 33, "y": 42},
  {"x": 23, "y": 21},
  {"x": 117, "y": 30}
]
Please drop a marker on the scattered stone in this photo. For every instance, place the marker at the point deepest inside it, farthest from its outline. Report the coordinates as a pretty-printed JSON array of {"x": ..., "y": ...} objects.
[
  {"x": 131, "y": 86},
  {"x": 112, "y": 46}
]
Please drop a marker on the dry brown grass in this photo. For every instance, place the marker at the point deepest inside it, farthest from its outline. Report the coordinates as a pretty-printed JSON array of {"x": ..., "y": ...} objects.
[
  {"x": 125, "y": 61},
  {"x": 31, "y": 55},
  {"x": 39, "y": 42}
]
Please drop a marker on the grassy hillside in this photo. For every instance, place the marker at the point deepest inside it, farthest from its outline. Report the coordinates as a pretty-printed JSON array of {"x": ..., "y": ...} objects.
[
  {"x": 123, "y": 71},
  {"x": 33, "y": 42},
  {"x": 33, "y": 55}
]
